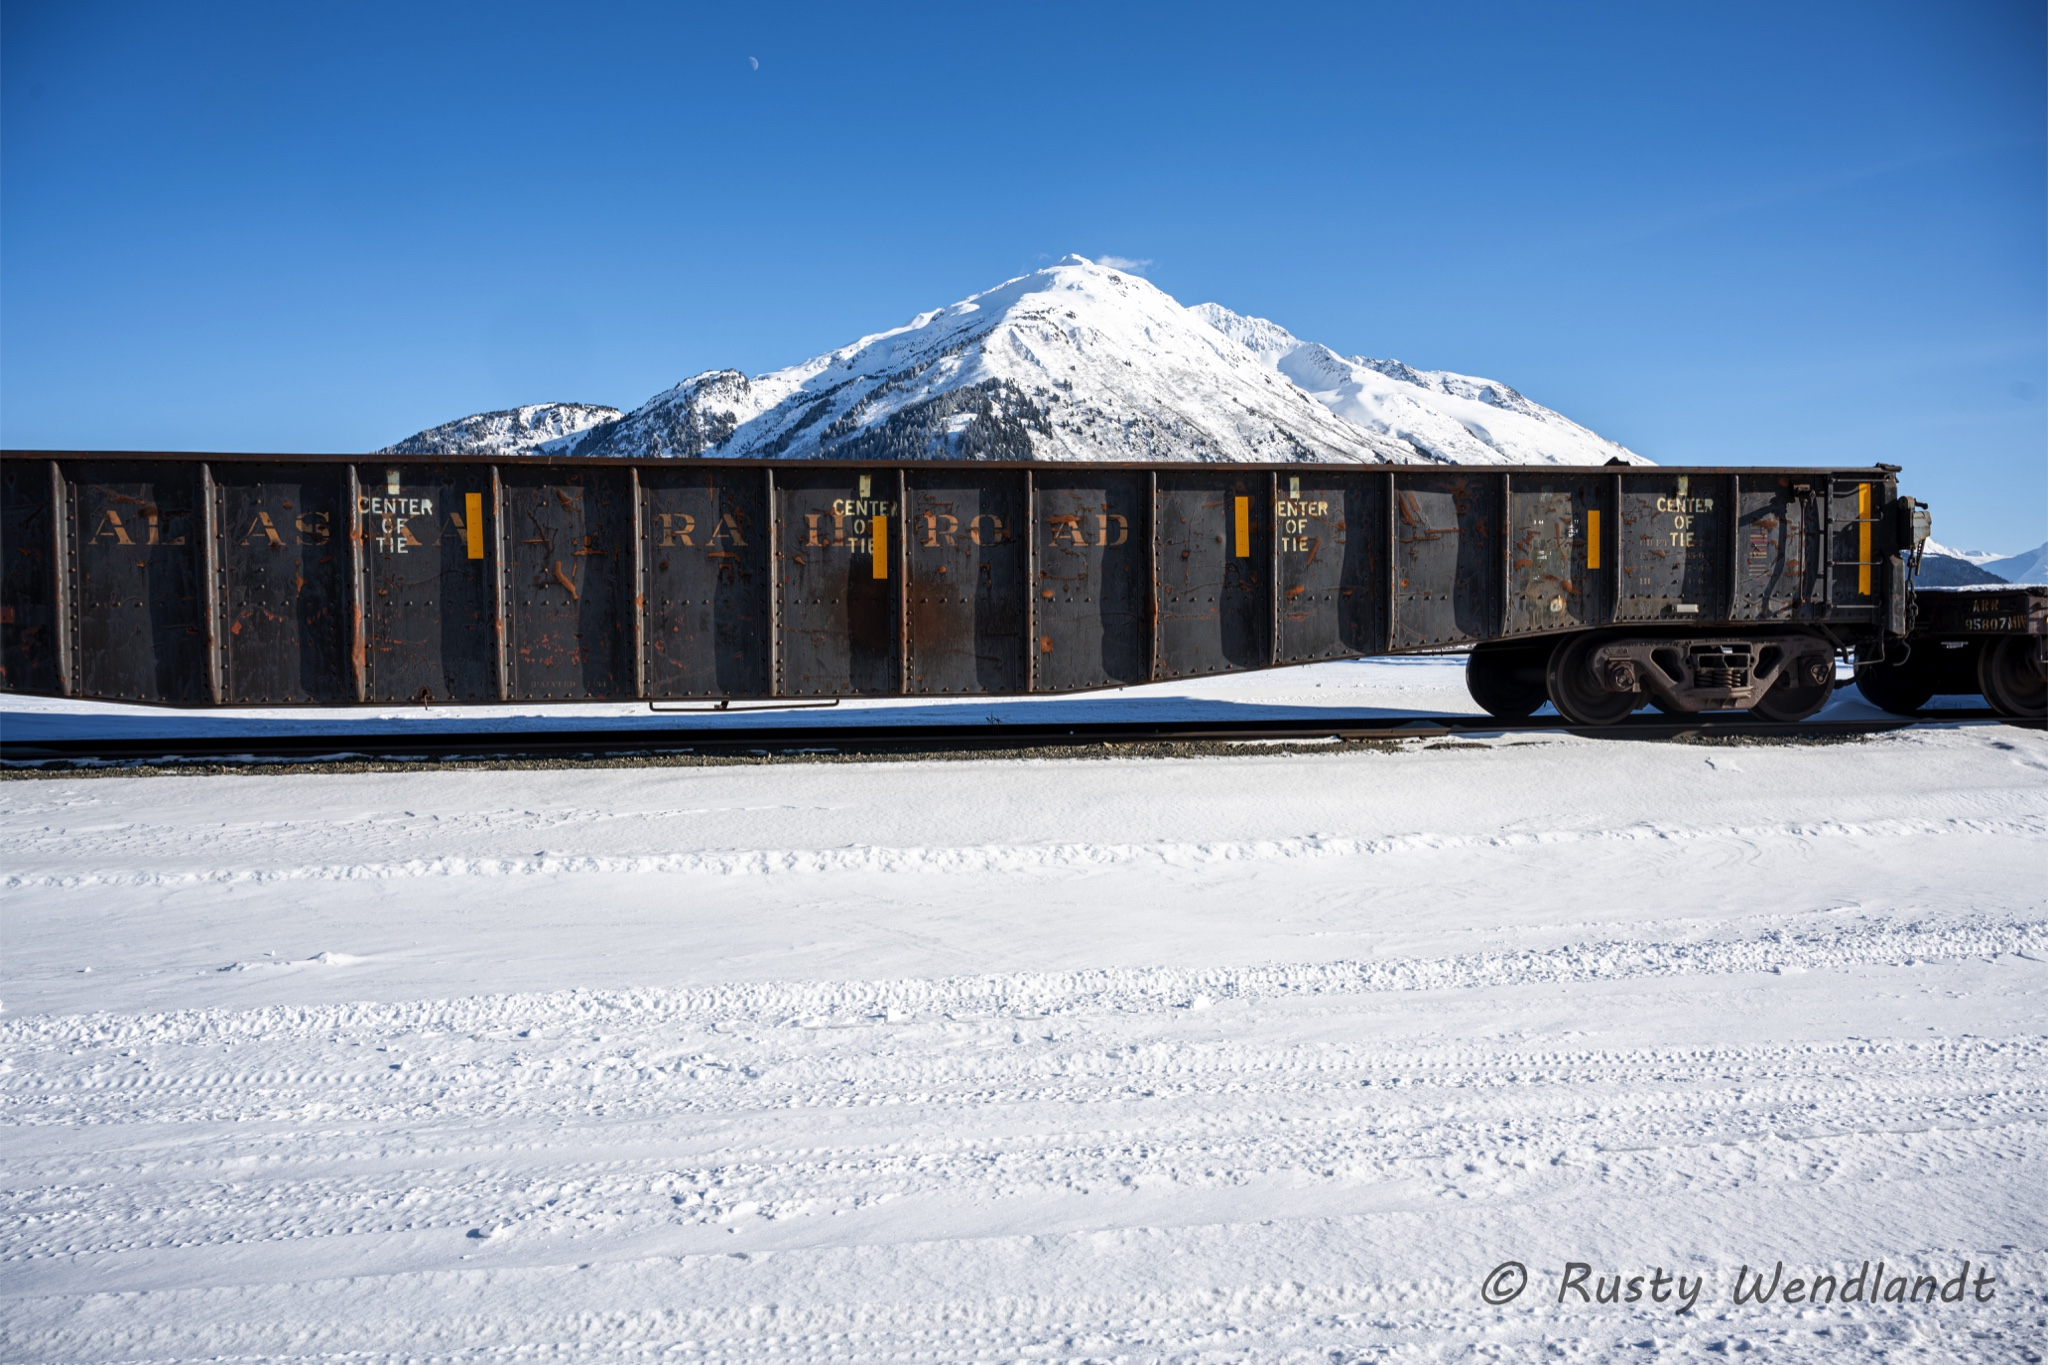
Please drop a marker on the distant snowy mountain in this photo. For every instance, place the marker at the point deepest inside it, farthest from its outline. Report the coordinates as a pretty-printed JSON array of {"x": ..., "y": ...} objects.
[
  {"x": 1979, "y": 557},
  {"x": 1942, "y": 567},
  {"x": 513, "y": 431},
  {"x": 2030, "y": 567},
  {"x": 1083, "y": 362},
  {"x": 1946, "y": 571}
]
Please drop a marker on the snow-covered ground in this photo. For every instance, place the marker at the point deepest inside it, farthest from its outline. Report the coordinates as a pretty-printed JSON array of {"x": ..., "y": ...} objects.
[{"x": 1249, "y": 1057}]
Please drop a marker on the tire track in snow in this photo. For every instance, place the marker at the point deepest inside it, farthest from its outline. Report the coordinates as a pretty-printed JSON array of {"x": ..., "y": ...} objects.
[
  {"x": 1281, "y": 1322},
  {"x": 1047, "y": 994},
  {"x": 230, "y": 1159},
  {"x": 1015, "y": 858},
  {"x": 607, "y": 1139}
]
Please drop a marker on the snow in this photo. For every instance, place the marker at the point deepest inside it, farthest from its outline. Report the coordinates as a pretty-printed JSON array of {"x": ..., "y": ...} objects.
[
  {"x": 1074, "y": 362},
  {"x": 512, "y": 431},
  {"x": 1980, "y": 558},
  {"x": 1255, "y": 1056},
  {"x": 2030, "y": 566},
  {"x": 1079, "y": 361},
  {"x": 1452, "y": 417}
]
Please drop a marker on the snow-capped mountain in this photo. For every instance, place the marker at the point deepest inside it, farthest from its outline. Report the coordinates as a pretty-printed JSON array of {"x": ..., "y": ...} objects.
[
  {"x": 1942, "y": 567},
  {"x": 1082, "y": 362},
  {"x": 1076, "y": 362},
  {"x": 1452, "y": 417},
  {"x": 1946, "y": 571},
  {"x": 512, "y": 431},
  {"x": 2029, "y": 566},
  {"x": 1979, "y": 557}
]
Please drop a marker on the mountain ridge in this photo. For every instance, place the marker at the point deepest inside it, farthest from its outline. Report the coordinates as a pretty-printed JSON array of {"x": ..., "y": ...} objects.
[
  {"x": 506, "y": 431},
  {"x": 2028, "y": 566},
  {"x": 1082, "y": 362}
]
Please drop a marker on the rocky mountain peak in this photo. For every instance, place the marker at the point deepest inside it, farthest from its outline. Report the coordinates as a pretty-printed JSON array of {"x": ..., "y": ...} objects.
[{"x": 1080, "y": 361}]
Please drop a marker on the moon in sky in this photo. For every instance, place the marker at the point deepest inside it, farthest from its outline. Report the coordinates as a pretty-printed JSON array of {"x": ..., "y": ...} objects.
[{"x": 754, "y": 62}]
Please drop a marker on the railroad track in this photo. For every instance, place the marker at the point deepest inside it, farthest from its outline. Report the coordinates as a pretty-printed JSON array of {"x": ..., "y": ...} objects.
[{"x": 854, "y": 740}]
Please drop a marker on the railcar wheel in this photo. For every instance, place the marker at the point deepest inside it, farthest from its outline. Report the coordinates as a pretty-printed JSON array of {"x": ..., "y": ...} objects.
[
  {"x": 1902, "y": 687},
  {"x": 1787, "y": 702},
  {"x": 1577, "y": 694},
  {"x": 2012, "y": 680},
  {"x": 1508, "y": 680}
]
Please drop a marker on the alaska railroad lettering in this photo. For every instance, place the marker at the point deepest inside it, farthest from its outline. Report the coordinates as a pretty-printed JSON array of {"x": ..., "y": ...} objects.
[
  {"x": 1068, "y": 529},
  {"x": 1185, "y": 595}
]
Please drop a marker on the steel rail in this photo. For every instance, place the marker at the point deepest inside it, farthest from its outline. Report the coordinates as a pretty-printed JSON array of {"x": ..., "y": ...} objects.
[{"x": 736, "y": 741}]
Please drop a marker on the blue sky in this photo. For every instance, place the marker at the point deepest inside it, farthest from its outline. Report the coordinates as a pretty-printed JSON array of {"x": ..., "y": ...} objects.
[{"x": 1718, "y": 233}]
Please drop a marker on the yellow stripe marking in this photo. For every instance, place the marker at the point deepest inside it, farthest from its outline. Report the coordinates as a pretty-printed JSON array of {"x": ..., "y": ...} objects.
[
  {"x": 473, "y": 523},
  {"x": 1244, "y": 528},
  {"x": 881, "y": 530},
  {"x": 1863, "y": 539},
  {"x": 1593, "y": 539}
]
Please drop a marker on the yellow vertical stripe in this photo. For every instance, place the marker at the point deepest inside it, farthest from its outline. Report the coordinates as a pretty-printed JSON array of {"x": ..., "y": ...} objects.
[
  {"x": 1244, "y": 528},
  {"x": 881, "y": 530},
  {"x": 473, "y": 523},
  {"x": 1863, "y": 539},
  {"x": 1593, "y": 539}
]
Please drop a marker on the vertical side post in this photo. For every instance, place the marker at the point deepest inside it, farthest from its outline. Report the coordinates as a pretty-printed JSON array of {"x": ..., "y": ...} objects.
[
  {"x": 1273, "y": 566},
  {"x": 63, "y": 568},
  {"x": 902, "y": 555},
  {"x": 1392, "y": 580},
  {"x": 774, "y": 586},
  {"x": 1616, "y": 567},
  {"x": 1733, "y": 607},
  {"x": 1030, "y": 580},
  {"x": 212, "y": 589},
  {"x": 1827, "y": 543},
  {"x": 1505, "y": 528},
  {"x": 639, "y": 583},
  {"x": 358, "y": 637},
  {"x": 500, "y": 568},
  {"x": 1152, "y": 573},
  {"x": 1593, "y": 550}
]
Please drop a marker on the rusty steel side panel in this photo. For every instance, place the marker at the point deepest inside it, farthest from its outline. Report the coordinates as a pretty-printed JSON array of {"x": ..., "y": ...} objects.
[
  {"x": 839, "y": 610},
  {"x": 964, "y": 543},
  {"x": 429, "y": 613},
  {"x": 28, "y": 580},
  {"x": 568, "y": 575},
  {"x": 1094, "y": 588},
  {"x": 1446, "y": 558},
  {"x": 1332, "y": 554},
  {"x": 1777, "y": 542},
  {"x": 283, "y": 584},
  {"x": 1550, "y": 586},
  {"x": 1674, "y": 548},
  {"x": 133, "y": 531},
  {"x": 1213, "y": 561},
  {"x": 705, "y": 597},
  {"x": 186, "y": 580}
]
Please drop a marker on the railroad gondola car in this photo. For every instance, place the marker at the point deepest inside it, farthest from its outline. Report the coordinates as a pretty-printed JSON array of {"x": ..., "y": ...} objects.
[{"x": 270, "y": 580}]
